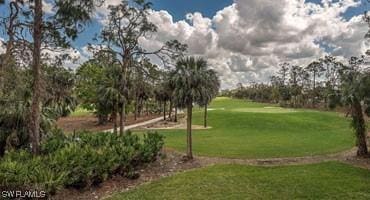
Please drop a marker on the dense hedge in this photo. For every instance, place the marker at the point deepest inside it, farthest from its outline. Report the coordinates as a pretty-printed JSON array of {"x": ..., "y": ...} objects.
[{"x": 78, "y": 161}]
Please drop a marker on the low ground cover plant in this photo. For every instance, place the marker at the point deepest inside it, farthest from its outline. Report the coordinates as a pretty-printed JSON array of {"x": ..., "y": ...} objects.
[{"x": 79, "y": 160}]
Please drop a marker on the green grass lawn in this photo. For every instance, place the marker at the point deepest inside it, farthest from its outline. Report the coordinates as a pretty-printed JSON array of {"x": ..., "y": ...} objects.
[
  {"x": 81, "y": 112},
  {"x": 319, "y": 181},
  {"x": 242, "y": 129}
]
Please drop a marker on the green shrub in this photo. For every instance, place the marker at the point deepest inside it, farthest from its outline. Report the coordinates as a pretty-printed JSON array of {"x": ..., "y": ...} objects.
[
  {"x": 153, "y": 143},
  {"x": 13, "y": 172},
  {"x": 72, "y": 159},
  {"x": 53, "y": 142},
  {"x": 43, "y": 177},
  {"x": 22, "y": 170},
  {"x": 78, "y": 161}
]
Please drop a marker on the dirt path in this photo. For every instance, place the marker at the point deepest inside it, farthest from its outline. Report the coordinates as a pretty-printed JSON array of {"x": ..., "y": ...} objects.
[
  {"x": 170, "y": 125},
  {"x": 90, "y": 123},
  {"x": 144, "y": 123},
  {"x": 206, "y": 161},
  {"x": 348, "y": 157}
]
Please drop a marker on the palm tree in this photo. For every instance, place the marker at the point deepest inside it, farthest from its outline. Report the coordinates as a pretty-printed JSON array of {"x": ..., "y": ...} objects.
[
  {"x": 355, "y": 93},
  {"x": 110, "y": 93},
  {"x": 211, "y": 88},
  {"x": 190, "y": 82},
  {"x": 162, "y": 95}
]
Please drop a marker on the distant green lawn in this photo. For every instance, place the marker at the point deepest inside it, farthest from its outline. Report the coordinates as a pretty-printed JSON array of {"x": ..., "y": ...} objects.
[
  {"x": 320, "y": 181},
  {"x": 242, "y": 129},
  {"x": 81, "y": 112}
]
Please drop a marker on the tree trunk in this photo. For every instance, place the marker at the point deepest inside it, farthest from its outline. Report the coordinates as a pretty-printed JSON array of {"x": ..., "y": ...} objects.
[
  {"x": 170, "y": 112},
  {"x": 147, "y": 108},
  {"x": 360, "y": 128},
  {"x": 164, "y": 110},
  {"x": 114, "y": 113},
  {"x": 136, "y": 108},
  {"x": 314, "y": 90},
  {"x": 175, "y": 114},
  {"x": 205, "y": 115},
  {"x": 2, "y": 146},
  {"x": 125, "y": 65},
  {"x": 140, "y": 108},
  {"x": 188, "y": 129},
  {"x": 122, "y": 119},
  {"x": 36, "y": 71},
  {"x": 10, "y": 30}
]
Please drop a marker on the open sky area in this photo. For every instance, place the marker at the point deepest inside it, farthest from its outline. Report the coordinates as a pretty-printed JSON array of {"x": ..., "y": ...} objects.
[{"x": 272, "y": 32}]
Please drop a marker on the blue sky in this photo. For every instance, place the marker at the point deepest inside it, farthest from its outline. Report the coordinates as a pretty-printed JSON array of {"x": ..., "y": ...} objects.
[
  {"x": 245, "y": 43},
  {"x": 179, "y": 8}
]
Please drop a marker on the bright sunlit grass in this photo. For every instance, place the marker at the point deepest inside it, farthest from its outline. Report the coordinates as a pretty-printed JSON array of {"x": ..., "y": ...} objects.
[
  {"x": 242, "y": 129},
  {"x": 320, "y": 181}
]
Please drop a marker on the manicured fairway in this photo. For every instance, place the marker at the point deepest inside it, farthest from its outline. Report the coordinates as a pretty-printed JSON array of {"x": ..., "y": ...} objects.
[
  {"x": 242, "y": 129},
  {"x": 320, "y": 181}
]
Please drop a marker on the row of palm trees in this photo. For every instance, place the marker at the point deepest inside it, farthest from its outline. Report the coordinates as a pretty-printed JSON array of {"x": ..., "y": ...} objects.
[{"x": 188, "y": 82}]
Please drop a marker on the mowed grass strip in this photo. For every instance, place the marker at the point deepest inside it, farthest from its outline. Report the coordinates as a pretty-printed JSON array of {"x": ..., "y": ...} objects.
[
  {"x": 330, "y": 180},
  {"x": 284, "y": 133}
]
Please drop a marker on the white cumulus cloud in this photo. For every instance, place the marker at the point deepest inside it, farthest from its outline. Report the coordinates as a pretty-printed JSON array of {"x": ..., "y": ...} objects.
[{"x": 247, "y": 40}]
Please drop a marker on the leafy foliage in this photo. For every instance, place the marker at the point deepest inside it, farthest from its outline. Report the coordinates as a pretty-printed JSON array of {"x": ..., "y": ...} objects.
[
  {"x": 78, "y": 161},
  {"x": 190, "y": 81},
  {"x": 58, "y": 100}
]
